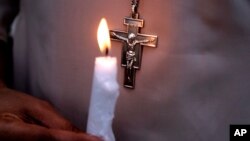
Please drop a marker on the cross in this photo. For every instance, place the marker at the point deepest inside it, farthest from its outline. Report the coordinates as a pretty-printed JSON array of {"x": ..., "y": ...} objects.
[{"x": 133, "y": 41}]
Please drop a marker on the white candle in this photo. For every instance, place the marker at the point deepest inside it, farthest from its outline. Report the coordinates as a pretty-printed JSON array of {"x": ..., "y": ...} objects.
[{"x": 105, "y": 91}]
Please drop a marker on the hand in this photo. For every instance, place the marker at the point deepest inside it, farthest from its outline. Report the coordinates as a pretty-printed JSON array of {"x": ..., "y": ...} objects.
[{"x": 25, "y": 118}]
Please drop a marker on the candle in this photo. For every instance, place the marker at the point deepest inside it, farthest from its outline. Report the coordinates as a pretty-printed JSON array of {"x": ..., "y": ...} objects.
[{"x": 105, "y": 89}]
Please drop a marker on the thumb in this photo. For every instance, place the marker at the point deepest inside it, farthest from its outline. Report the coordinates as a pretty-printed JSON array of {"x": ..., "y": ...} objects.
[
  {"x": 62, "y": 135},
  {"x": 13, "y": 130}
]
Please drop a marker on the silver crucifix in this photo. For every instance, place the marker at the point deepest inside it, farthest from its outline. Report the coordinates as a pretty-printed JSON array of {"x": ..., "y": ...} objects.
[{"x": 133, "y": 41}]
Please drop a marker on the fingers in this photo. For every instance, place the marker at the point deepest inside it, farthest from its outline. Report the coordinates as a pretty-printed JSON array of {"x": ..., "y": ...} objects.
[
  {"x": 12, "y": 130},
  {"x": 16, "y": 130},
  {"x": 61, "y": 135},
  {"x": 44, "y": 114},
  {"x": 33, "y": 110}
]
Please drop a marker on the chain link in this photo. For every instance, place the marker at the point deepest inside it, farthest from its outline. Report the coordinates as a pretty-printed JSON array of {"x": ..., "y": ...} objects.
[{"x": 134, "y": 4}]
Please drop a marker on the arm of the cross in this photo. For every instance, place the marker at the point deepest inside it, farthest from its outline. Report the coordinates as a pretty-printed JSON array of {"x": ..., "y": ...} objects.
[
  {"x": 151, "y": 40},
  {"x": 118, "y": 36}
]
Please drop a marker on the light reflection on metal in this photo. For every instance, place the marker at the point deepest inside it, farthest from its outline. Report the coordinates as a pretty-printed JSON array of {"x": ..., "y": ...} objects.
[{"x": 133, "y": 41}]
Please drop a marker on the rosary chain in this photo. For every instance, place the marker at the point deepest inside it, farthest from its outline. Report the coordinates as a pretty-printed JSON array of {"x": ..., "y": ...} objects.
[{"x": 134, "y": 4}]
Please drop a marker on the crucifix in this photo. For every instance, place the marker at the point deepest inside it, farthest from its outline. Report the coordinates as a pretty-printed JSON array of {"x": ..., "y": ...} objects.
[{"x": 133, "y": 41}]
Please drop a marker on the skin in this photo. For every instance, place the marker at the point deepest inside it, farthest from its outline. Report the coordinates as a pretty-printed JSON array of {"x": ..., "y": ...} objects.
[{"x": 25, "y": 118}]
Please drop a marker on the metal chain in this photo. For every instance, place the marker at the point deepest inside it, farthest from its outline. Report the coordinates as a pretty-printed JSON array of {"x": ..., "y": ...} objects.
[{"x": 134, "y": 4}]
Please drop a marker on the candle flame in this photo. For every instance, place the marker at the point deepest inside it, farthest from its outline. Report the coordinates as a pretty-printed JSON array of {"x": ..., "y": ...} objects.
[{"x": 103, "y": 36}]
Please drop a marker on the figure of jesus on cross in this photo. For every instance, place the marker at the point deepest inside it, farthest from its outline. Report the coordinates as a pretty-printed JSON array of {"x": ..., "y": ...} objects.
[
  {"x": 131, "y": 41},
  {"x": 130, "y": 53}
]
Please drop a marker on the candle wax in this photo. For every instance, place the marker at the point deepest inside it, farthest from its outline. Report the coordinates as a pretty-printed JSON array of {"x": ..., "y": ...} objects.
[{"x": 105, "y": 91}]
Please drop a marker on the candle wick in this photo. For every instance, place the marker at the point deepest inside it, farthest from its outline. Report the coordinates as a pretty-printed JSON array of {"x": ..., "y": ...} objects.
[{"x": 106, "y": 51}]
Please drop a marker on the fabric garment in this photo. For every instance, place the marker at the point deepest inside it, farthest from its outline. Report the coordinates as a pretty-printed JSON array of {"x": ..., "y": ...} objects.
[{"x": 191, "y": 87}]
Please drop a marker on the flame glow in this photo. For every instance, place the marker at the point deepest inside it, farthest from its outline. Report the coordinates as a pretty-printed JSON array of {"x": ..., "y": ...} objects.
[{"x": 103, "y": 35}]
